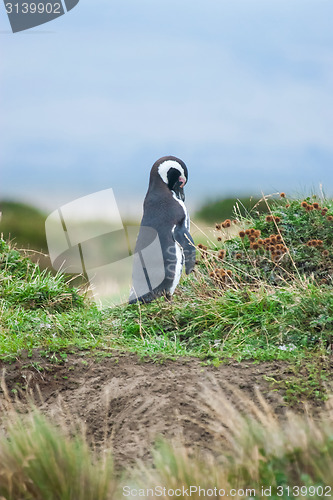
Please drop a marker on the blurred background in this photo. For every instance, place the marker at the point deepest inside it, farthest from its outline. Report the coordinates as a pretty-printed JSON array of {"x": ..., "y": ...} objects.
[{"x": 241, "y": 90}]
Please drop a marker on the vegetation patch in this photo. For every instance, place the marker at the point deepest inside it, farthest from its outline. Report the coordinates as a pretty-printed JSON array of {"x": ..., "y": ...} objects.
[
  {"x": 23, "y": 284},
  {"x": 256, "y": 455},
  {"x": 292, "y": 241},
  {"x": 258, "y": 309},
  {"x": 260, "y": 292},
  {"x": 23, "y": 224}
]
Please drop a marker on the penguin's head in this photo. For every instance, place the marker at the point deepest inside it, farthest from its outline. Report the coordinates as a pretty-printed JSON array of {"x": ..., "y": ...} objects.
[{"x": 173, "y": 173}]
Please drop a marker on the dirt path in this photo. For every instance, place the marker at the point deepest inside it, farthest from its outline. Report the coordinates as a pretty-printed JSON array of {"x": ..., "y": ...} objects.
[{"x": 130, "y": 401}]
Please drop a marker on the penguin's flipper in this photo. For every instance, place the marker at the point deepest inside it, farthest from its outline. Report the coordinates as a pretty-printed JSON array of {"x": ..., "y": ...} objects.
[{"x": 183, "y": 237}]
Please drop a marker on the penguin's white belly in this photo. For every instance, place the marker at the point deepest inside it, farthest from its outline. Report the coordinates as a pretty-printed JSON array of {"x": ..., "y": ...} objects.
[
  {"x": 182, "y": 204},
  {"x": 178, "y": 268},
  {"x": 179, "y": 250}
]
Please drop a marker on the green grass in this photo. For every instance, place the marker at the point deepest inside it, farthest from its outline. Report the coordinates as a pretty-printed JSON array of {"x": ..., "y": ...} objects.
[
  {"x": 24, "y": 285},
  {"x": 238, "y": 324}
]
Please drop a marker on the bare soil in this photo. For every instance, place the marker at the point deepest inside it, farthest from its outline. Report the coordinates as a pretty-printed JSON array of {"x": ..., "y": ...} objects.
[{"x": 129, "y": 402}]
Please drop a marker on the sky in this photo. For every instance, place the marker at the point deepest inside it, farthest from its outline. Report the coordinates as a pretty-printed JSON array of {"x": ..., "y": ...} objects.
[{"x": 241, "y": 90}]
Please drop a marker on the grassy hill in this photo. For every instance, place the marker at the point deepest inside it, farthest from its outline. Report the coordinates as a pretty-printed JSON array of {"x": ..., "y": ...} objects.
[
  {"x": 261, "y": 292},
  {"x": 221, "y": 209},
  {"x": 24, "y": 225},
  {"x": 264, "y": 284}
]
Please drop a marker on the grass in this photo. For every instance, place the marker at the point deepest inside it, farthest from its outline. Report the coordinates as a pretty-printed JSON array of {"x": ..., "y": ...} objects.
[
  {"x": 251, "y": 325},
  {"x": 225, "y": 207},
  {"x": 283, "y": 245},
  {"x": 255, "y": 455},
  {"x": 23, "y": 224},
  {"x": 38, "y": 461},
  {"x": 245, "y": 300},
  {"x": 24, "y": 284}
]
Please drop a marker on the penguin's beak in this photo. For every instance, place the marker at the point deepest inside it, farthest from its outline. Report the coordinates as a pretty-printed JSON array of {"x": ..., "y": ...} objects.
[{"x": 182, "y": 180}]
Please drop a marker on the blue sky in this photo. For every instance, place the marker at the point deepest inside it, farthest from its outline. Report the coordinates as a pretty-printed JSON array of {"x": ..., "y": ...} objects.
[{"x": 241, "y": 90}]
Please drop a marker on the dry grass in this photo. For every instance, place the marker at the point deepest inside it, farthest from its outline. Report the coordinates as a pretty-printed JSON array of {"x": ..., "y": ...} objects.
[
  {"x": 40, "y": 460},
  {"x": 254, "y": 450}
]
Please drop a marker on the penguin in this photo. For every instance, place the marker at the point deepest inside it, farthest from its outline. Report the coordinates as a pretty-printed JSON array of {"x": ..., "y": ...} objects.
[{"x": 164, "y": 242}]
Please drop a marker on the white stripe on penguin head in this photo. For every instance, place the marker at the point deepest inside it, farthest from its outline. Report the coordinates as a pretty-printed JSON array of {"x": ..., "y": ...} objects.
[{"x": 164, "y": 168}]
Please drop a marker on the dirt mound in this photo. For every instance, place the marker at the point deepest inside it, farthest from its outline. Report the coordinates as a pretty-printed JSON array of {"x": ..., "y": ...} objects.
[{"x": 128, "y": 402}]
